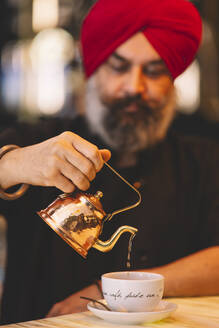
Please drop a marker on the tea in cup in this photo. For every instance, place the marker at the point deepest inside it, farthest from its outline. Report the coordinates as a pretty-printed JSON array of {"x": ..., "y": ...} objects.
[{"x": 132, "y": 291}]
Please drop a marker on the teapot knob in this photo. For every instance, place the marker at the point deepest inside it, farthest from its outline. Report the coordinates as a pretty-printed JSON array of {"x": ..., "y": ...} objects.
[{"x": 98, "y": 195}]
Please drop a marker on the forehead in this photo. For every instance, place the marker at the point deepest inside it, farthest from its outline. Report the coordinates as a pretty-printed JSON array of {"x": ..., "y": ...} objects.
[{"x": 138, "y": 50}]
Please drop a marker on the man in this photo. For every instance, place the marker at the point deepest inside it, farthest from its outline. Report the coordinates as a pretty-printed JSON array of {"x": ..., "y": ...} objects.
[{"x": 131, "y": 54}]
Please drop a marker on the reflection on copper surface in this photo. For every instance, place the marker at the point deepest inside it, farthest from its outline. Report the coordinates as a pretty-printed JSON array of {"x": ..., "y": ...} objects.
[{"x": 76, "y": 220}]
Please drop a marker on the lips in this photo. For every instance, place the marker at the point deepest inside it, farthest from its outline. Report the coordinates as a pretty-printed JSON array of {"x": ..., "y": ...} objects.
[{"x": 132, "y": 108}]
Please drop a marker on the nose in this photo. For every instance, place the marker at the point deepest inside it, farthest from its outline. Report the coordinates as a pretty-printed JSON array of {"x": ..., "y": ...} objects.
[{"x": 135, "y": 83}]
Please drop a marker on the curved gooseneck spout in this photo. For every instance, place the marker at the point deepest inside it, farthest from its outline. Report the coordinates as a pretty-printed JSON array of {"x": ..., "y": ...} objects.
[{"x": 106, "y": 246}]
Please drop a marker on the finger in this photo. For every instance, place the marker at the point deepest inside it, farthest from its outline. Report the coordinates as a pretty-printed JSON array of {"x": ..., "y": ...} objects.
[
  {"x": 80, "y": 162},
  {"x": 106, "y": 154},
  {"x": 73, "y": 174},
  {"x": 89, "y": 150},
  {"x": 64, "y": 184}
]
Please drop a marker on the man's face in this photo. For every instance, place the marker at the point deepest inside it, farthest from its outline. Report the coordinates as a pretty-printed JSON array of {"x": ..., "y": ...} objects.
[{"x": 130, "y": 98}]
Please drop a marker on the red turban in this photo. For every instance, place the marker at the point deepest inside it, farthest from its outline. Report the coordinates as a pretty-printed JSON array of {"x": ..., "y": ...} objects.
[{"x": 173, "y": 27}]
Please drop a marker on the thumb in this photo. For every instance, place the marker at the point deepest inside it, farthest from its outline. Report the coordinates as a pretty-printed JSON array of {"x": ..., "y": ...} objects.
[{"x": 106, "y": 154}]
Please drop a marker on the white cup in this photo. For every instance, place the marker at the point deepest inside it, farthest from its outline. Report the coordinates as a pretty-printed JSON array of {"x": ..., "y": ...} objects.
[{"x": 132, "y": 291}]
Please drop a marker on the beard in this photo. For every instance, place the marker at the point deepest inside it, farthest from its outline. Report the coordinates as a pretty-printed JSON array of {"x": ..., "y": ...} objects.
[{"x": 129, "y": 124}]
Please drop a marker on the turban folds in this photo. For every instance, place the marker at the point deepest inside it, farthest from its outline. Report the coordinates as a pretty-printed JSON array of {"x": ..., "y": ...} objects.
[{"x": 173, "y": 28}]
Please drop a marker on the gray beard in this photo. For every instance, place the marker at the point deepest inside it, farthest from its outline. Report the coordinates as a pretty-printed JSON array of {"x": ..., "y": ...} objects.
[{"x": 127, "y": 133}]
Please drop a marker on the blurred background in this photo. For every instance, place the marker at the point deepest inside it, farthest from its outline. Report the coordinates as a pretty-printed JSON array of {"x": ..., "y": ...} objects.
[
  {"x": 41, "y": 74},
  {"x": 40, "y": 66}
]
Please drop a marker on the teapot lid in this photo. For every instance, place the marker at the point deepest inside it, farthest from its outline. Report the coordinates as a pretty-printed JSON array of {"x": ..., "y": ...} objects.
[
  {"x": 94, "y": 200},
  {"x": 89, "y": 200}
]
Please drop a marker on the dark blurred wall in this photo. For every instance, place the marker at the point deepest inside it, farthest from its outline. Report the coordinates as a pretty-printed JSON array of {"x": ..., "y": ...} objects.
[
  {"x": 7, "y": 15},
  {"x": 8, "y": 32},
  {"x": 209, "y": 60},
  {"x": 210, "y": 11}
]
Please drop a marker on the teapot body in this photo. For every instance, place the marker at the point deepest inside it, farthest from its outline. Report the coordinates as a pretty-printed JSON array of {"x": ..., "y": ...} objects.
[{"x": 77, "y": 218}]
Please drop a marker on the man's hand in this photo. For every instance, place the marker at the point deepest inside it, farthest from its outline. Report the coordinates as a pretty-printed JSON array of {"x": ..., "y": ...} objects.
[
  {"x": 66, "y": 162},
  {"x": 192, "y": 275},
  {"x": 74, "y": 303}
]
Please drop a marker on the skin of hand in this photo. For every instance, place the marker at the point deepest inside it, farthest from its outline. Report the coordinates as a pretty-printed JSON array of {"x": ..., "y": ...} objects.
[
  {"x": 74, "y": 303},
  {"x": 66, "y": 161},
  {"x": 193, "y": 275}
]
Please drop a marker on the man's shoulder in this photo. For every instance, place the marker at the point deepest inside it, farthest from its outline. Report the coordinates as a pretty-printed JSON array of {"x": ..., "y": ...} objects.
[
  {"x": 192, "y": 141},
  {"x": 26, "y": 133},
  {"x": 191, "y": 146},
  {"x": 61, "y": 124}
]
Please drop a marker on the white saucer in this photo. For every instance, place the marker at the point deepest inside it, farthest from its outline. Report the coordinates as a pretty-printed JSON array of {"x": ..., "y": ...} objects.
[{"x": 163, "y": 310}]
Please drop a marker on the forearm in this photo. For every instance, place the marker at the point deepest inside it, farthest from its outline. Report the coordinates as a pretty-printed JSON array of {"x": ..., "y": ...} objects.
[{"x": 193, "y": 275}]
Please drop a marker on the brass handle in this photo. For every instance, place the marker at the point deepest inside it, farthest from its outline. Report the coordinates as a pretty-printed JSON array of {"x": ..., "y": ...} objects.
[{"x": 109, "y": 216}]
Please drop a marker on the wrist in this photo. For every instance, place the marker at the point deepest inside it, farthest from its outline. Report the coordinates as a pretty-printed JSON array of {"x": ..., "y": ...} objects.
[
  {"x": 8, "y": 173},
  {"x": 7, "y": 169}
]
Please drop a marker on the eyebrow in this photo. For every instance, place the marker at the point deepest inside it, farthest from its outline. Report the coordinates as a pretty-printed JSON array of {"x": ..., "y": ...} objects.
[
  {"x": 125, "y": 60},
  {"x": 156, "y": 62},
  {"x": 117, "y": 56}
]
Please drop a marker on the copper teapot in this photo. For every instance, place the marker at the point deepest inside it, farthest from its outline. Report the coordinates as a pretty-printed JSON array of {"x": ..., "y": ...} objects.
[{"x": 79, "y": 217}]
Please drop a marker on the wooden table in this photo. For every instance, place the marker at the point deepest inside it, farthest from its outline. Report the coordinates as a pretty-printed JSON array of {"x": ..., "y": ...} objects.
[{"x": 197, "y": 312}]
